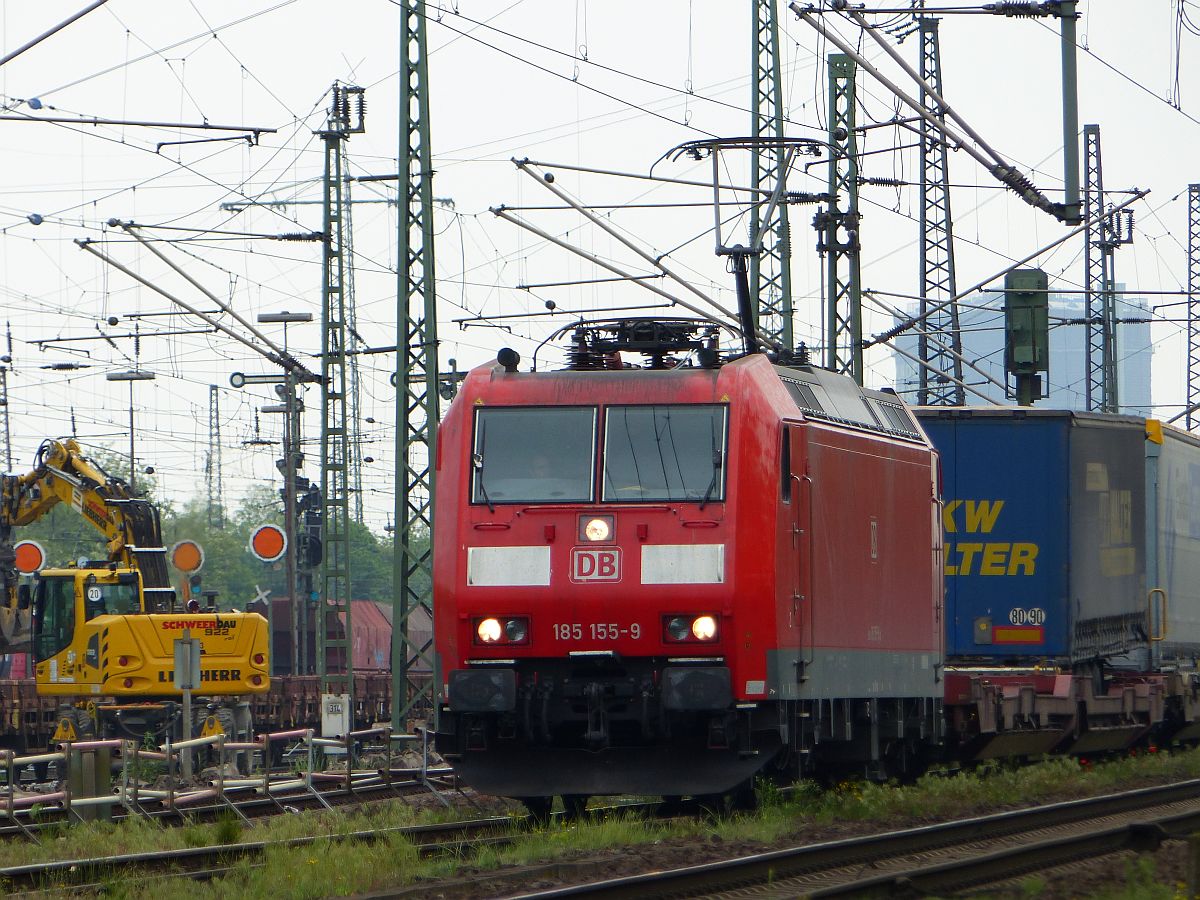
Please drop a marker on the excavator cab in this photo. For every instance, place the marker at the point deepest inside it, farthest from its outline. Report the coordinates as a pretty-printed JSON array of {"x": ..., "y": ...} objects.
[
  {"x": 65, "y": 601},
  {"x": 100, "y": 636},
  {"x": 98, "y": 631},
  {"x": 53, "y": 615},
  {"x": 120, "y": 598}
]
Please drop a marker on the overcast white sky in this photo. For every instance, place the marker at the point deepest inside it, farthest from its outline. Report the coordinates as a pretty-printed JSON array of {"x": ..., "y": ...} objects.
[{"x": 610, "y": 85}]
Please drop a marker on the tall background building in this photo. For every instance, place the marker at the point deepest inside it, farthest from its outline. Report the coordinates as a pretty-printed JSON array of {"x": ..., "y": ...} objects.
[{"x": 981, "y": 318}]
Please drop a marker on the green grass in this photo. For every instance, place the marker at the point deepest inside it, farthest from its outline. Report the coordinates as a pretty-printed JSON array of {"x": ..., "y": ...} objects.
[
  {"x": 968, "y": 793},
  {"x": 1141, "y": 882},
  {"x": 330, "y": 868},
  {"x": 136, "y": 835}
]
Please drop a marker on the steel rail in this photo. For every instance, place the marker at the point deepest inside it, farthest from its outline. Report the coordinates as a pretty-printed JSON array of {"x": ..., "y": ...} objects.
[
  {"x": 445, "y": 837},
  {"x": 402, "y": 784},
  {"x": 437, "y": 839},
  {"x": 775, "y": 866},
  {"x": 1004, "y": 865}
]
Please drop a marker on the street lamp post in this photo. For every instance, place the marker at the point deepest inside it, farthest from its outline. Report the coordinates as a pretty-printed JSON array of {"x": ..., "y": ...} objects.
[{"x": 131, "y": 376}]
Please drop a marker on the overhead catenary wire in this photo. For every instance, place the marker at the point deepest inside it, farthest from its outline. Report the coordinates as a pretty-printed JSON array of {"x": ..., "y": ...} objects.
[
  {"x": 937, "y": 307},
  {"x": 273, "y": 353},
  {"x": 997, "y": 165},
  {"x": 8, "y": 57},
  {"x": 207, "y": 33},
  {"x": 250, "y": 284},
  {"x": 657, "y": 263},
  {"x": 583, "y": 85}
]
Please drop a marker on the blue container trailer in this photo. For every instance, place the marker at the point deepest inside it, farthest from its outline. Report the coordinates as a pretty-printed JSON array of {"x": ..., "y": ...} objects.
[{"x": 1071, "y": 538}]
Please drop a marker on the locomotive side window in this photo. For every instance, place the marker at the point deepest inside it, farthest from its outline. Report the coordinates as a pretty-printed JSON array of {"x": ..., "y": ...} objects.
[
  {"x": 533, "y": 454},
  {"x": 785, "y": 466},
  {"x": 664, "y": 453}
]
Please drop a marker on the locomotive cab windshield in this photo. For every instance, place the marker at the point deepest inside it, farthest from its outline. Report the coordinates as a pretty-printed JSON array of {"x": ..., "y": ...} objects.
[
  {"x": 664, "y": 452},
  {"x": 651, "y": 453},
  {"x": 533, "y": 455}
]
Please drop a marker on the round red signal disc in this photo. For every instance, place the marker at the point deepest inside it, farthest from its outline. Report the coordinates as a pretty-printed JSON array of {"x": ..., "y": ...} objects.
[
  {"x": 30, "y": 557},
  {"x": 187, "y": 556},
  {"x": 268, "y": 542}
]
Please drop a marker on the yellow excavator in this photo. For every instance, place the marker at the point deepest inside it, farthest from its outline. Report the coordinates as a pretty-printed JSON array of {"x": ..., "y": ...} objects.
[{"x": 103, "y": 632}]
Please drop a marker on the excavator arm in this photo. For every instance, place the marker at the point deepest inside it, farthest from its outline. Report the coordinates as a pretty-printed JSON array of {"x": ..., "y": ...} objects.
[
  {"x": 130, "y": 526},
  {"x": 64, "y": 475}
]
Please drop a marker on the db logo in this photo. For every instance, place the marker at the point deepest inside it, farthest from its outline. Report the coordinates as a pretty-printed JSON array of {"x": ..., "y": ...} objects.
[{"x": 596, "y": 565}]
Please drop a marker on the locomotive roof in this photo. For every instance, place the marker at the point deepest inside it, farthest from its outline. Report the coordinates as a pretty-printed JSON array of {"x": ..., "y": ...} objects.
[
  {"x": 818, "y": 393},
  {"x": 825, "y": 395}
]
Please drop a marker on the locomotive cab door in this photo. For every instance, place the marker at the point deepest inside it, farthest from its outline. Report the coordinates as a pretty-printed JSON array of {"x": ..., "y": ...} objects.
[{"x": 797, "y": 494}]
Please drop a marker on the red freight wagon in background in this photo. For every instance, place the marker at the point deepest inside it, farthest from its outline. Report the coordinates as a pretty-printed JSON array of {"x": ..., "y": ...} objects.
[
  {"x": 372, "y": 625},
  {"x": 665, "y": 580}
]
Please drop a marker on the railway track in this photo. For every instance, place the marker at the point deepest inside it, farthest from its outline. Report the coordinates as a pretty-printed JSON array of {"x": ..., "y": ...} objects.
[
  {"x": 938, "y": 858},
  {"x": 207, "y": 863},
  {"x": 333, "y": 796}
]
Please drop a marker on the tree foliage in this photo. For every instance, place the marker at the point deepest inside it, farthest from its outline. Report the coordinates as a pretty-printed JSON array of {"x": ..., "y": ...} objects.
[
  {"x": 65, "y": 534},
  {"x": 229, "y": 568}
]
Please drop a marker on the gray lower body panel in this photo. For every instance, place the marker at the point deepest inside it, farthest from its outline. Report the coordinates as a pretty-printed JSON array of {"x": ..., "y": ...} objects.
[{"x": 824, "y": 674}]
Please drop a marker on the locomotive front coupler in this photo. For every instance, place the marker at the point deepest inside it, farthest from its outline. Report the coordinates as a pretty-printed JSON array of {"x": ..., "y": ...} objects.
[
  {"x": 647, "y": 726},
  {"x": 476, "y": 733},
  {"x": 535, "y": 697},
  {"x": 597, "y": 718},
  {"x": 544, "y": 692}
]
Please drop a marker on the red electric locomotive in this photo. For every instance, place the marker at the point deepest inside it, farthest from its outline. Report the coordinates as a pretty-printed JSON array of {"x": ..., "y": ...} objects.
[{"x": 664, "y": 579}]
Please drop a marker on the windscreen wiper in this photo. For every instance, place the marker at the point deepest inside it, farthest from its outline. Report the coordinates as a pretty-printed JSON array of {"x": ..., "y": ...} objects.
[
  {"x": 716, "y": 462},
  {"x": 712, "y": 485},
  {"x": 477, "y": 461}
]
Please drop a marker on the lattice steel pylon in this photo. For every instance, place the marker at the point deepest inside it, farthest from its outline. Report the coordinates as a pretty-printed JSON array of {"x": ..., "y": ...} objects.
[
  {"x": 770, "y": 272},
  {"x": 212, "y": 464},
  {"x": 1193, "y": 308},
  {"x": 416, "y": 379},
  {"x": 356, "y": 453},
  {"x": 6, "y": 434},
  {"x": 335, "y": 631},
  {"x": 837, "y": 231},
  {"x": 1104, "y": 233},
  {"x": 4, "y": 370},
  {"x": 939, "y": 344}
]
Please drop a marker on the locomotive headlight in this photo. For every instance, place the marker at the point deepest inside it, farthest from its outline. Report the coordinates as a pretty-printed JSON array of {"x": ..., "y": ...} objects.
[
  {"x": 690, "y": 629},
  {"x": 502, "y": 630},
  {"x": 704, "y": 628},
  {"x": 516, "y": 630},
  {"x": 488, "y": 630},
  {"x": 678, "y": 628},
  {"x": 596, "y": 529}
]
